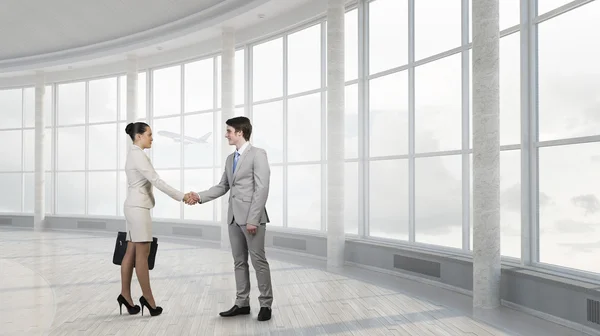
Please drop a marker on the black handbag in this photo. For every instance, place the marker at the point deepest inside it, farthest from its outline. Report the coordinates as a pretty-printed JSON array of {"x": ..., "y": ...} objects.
[{"x": 121, "y": 247}]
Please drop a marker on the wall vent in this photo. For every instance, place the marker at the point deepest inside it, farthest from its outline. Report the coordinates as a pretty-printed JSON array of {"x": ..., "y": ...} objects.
[
  {"x": 290, "y": 243},
  {"x": 593, "y": 311},
  {"x": 5, "y": 221},
  {"x": 186, "y": 231},
  {"x": 421, "y": 266},
  {"x": 91, "y": 225}
]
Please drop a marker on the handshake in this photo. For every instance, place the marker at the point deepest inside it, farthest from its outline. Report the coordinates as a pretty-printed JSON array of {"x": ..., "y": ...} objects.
[{"x": 191, "y": 198}]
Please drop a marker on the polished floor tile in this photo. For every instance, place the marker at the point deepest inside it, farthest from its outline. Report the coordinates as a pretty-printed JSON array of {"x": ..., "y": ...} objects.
[{"x": 64, "y": 283}]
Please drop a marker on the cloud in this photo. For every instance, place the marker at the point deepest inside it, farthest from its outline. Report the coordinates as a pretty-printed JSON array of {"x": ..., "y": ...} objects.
[
  {"x": 589, "y": 203},
  {"x": 571, "y": 226}
]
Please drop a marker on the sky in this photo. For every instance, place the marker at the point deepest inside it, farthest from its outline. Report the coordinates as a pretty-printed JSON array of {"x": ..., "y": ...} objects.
[{"x": 569, "y": 106}]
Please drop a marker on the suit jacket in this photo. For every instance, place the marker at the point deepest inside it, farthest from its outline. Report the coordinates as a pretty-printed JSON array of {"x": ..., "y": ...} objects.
[
  {"x": 141, "y": 176},
  {"x": 249, "y": 187}
]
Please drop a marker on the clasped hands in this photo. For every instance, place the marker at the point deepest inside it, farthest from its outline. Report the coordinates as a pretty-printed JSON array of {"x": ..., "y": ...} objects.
[{"x": 191, "y": 198}]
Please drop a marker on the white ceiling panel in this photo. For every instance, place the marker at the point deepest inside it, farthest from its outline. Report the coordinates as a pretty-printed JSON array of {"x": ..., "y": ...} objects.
[{"x": 34, "y": 27}]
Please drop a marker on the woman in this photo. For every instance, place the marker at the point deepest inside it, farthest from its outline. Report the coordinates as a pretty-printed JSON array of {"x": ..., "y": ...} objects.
[{"x": 140, "y": 199}]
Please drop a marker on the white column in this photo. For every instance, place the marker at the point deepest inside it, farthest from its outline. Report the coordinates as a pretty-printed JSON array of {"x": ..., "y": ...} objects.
[
  {"x": 335, "y": 133},
  {"x": 40, "y": 138},
  {"x": 486, "y": 155},
  {"x": 227, "y": 111},
  {"x": 132, "y": 88}
]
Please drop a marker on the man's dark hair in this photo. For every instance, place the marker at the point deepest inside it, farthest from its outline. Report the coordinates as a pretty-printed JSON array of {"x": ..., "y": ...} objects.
[{"x": 241, "y": 124}]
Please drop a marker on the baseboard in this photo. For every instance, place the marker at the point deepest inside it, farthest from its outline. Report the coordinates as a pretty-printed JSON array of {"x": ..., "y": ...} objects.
[
  {"x": 295, "y": 253},
  {"x": 551, "y": 318},
  {"x": 412, "y": 277}
]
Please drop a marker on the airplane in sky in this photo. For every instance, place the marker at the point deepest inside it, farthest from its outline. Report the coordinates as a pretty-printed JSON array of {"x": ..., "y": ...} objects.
[{"x": 186, "y": 139}]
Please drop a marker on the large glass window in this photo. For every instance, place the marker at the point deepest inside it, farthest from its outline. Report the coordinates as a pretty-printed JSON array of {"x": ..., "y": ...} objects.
[
  {"x": 70, "y": 193},
  {"x": 166, "y": 94},
  {"x": 267, "y": 129},
  {"x": 71, "y": 103},
  {"x": 388, "y": 115},
  {"x": 267, "y": 70},
  {"x": 71, "y": 148},
  {"x": 438, "y": 105},
  {"x": 388, "y": 210},
  {"x": 569, "y": 206},
  {"x": 438, "y": 204},
  {"x": 198, "y": 87},
  {"x": 102, "y": 193},
  {"x": 304, "y": 197},
  {"x": 11, "y": 154},
  {"x": 568, "y": 74},
  {"x": 103, "y": 100},
  {"x": 388, "y": 34},
  {"x": 11, "y": 102},
  {"x": 10, "y": 198},
  {"x": 196, "y": 180},
  {"x": 304, "y": 60},
  {"x": 437, "y": 27},
  {"x": 304, "y": 128}
]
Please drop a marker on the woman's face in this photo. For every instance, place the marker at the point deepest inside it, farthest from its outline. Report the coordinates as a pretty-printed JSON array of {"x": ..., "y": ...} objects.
[{"x": 144, "y": 140}]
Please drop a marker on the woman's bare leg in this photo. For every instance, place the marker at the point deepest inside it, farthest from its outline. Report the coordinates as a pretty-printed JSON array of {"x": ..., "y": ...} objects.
[
  {"x": 127, "y": 272},
  {"x": 142, "y": 250}
]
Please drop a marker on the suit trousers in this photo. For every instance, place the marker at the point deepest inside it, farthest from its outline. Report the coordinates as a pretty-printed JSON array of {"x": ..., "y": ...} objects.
[{"x": 243, "y": 242}]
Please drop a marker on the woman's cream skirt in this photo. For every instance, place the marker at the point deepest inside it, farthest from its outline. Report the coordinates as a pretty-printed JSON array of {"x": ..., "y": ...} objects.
[{"x": 138, "y": 223}]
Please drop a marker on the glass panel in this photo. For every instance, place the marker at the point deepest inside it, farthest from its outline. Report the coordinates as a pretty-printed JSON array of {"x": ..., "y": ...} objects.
[
  {"x": 267, "y": 129},
  {"x": 167, "y": 91},
  {"x": 166, "y": 146},
  {"x": 70, "y": 193},
  {"x": 11, "y": 154},
  {"x": 71, "y": 148},
  {"x": 197, "y": 180},
  {"x": 71, "y": 103},
  {"x": 304, "y": 197},
  {"x": 388, "y": 115},
  {"x": 388, "y": 34},
  {"x": 304, "y": 60},
  {"x": 103, "y": 147},
  {"x": 11, "y": 108},
  {"x": 438, "y": 200},
  {"x": 102, "y": 193},
  {"x": 267, "y": 81},
  {"x": 304, "y": 128},
  {"x": 198, "y": 142},
  {"x": 568, "y": 74},
  {"x": 199, "y": 85},
  {"x": 103, "y": 100},
  {"x": 437, "y": 27},
  {"x": 388, "y": 211},
  {"x": 12, "y": 191},
  {"x": 438, "y": 122},
  {"x": 569, "y": 206}
]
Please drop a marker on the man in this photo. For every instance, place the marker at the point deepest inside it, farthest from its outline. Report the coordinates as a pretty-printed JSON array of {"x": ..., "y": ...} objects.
[{"x": 247, "y": 175}]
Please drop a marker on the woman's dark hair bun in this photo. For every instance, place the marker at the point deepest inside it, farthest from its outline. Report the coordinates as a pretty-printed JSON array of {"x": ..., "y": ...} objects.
[
  {"x": 135, "y": 128},
  {"x": 129, "y": 128}
]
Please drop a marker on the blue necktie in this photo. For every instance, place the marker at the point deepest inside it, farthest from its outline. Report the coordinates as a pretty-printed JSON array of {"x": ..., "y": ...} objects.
[{"x": 235, "y": 160}]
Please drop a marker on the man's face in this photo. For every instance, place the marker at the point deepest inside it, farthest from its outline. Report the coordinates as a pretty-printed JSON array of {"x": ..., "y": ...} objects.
[{"x": 233, "y": 136}]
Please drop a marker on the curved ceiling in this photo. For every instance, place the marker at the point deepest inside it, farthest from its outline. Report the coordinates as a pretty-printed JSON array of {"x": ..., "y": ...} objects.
[
  {"x": 43, "y": 34},
  {"x": 32, "y": 28},
  {"x": 94, "y": 53}
]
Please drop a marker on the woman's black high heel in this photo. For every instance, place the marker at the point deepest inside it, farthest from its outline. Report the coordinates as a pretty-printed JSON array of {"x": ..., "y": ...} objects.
[
  {"x": 131, "y": 309},
  {"x": 153, "y": 311}
]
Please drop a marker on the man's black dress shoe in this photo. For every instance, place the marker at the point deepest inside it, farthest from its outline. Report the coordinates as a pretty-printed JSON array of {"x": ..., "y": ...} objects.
[
  {"x": 264, "y": 314},
  {"x": 235, "y": 310}
]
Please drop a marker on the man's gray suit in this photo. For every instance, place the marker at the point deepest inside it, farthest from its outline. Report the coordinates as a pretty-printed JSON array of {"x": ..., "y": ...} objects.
[{"x": 249, "y": 186}]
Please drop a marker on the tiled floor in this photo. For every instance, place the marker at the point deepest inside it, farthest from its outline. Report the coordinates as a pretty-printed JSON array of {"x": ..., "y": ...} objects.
[{"x": 64, "y": 283}]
